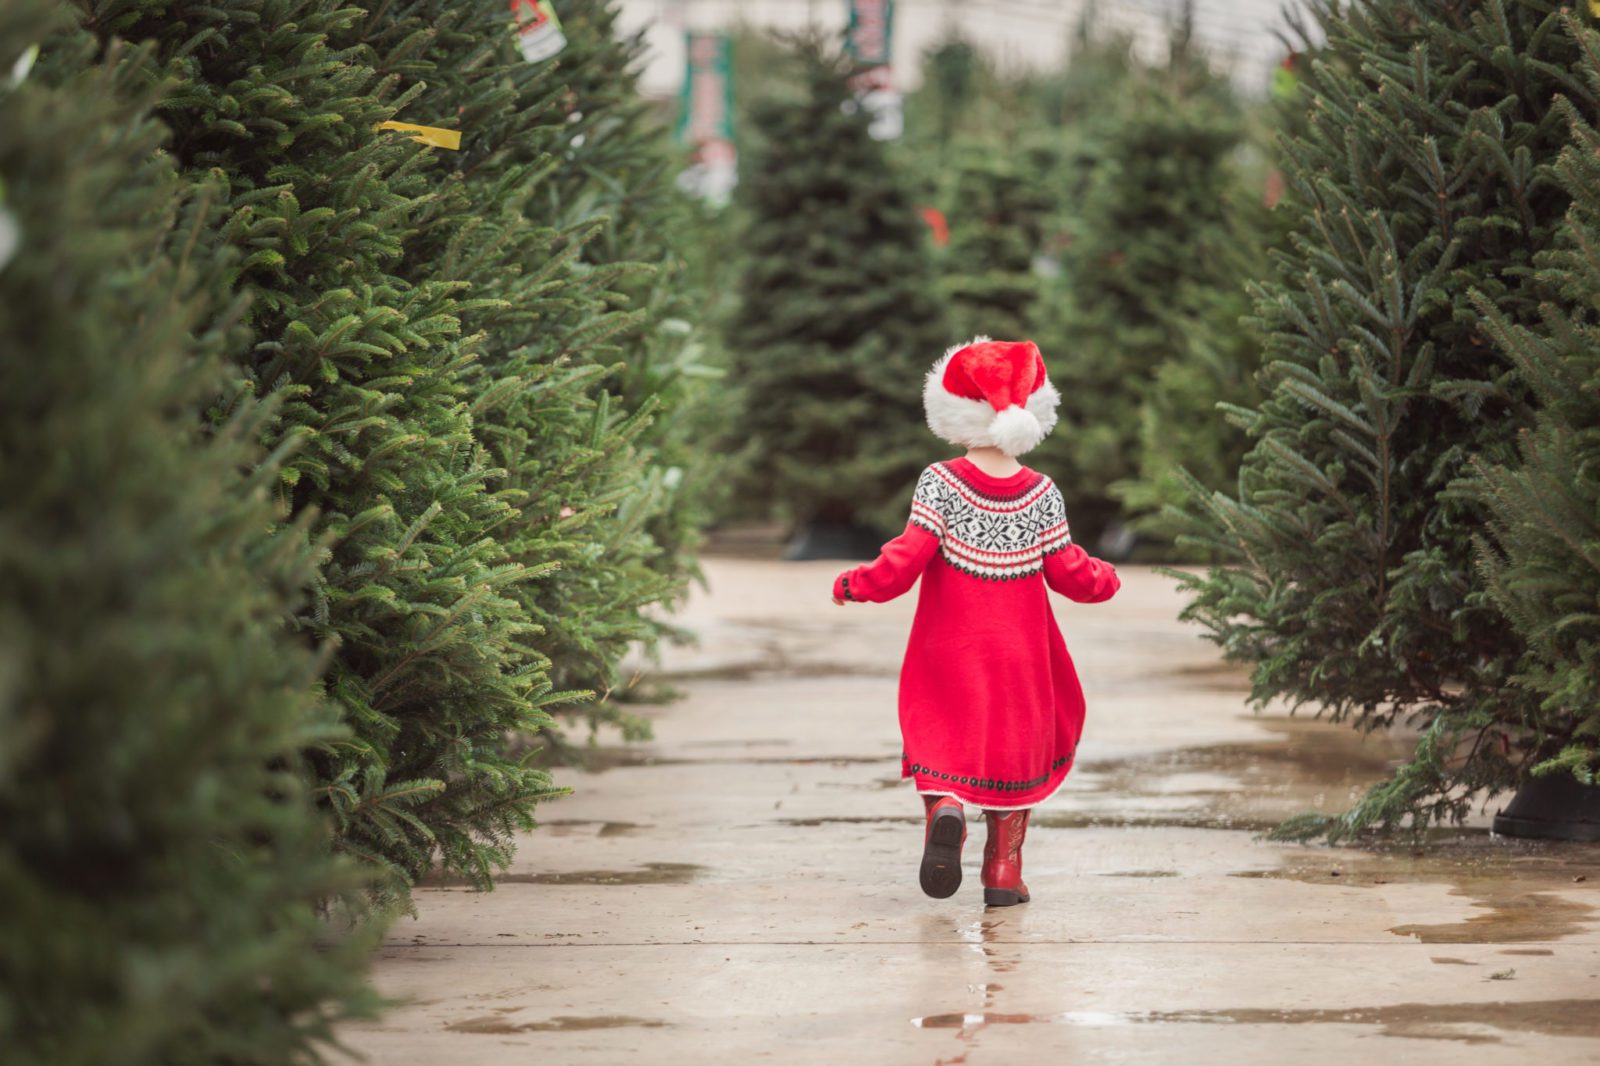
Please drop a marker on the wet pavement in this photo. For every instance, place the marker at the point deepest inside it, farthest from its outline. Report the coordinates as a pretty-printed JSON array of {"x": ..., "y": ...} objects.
[{"x": 745, "y": 887}]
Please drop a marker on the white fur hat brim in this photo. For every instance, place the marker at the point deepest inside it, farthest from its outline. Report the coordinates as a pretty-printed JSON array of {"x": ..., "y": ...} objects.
[{"x": 974, "y": 424}]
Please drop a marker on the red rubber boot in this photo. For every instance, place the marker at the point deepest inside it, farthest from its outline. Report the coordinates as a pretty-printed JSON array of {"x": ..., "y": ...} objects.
[
  {"x": 1002, "y": 858},
  {"x": 941, "y": 846}
]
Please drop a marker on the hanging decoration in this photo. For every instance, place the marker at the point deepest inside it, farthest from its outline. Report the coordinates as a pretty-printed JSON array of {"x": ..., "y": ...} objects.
[
  {"x": 10, "y": 230},
  {"x": 23, "y": 65},
  {"x": 1286, "y": 78},
  {"x": 869, "y": 42},
  {"x": 538, "y": 30},
  {"x": 433, "y": 136},
  {"x": 705, "y": 117}
]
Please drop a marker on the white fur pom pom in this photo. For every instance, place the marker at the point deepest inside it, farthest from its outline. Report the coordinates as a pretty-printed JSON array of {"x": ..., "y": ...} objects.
[{"x": 1015, "y": 430}]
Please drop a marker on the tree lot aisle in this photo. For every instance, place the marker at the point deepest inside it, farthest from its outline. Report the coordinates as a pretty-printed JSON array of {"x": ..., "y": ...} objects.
[{"x": 747, "y": 884}]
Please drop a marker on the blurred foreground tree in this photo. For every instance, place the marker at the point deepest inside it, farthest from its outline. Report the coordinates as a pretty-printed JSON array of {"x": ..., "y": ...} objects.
[{"x": 161, "y": 862}]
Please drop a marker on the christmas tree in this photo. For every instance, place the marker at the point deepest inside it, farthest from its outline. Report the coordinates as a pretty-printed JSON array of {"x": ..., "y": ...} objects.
[
  {"x": 954, "y": 74},
  {"x": 1422, "y": 177},
  {"x": 646, "y": 326},
  {"x": 1149, "y": 234},
  {"x": 162, "y": 862},
  {"x": 997, "y": 211},
  {"x": 837, "y": 321},
  {"x": 585, "y": 358},
  {"x": 1186, "y": 433},
  {"x": 1543, "y": 506},
  {"x": 434, "y": 663}
]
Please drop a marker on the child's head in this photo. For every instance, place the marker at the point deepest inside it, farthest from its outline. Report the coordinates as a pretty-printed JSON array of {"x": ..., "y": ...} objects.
[{"x": 991, "y": 394}]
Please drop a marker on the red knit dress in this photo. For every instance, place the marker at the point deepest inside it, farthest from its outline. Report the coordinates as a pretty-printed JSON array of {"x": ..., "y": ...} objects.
[{"x": 990, "y": 705}]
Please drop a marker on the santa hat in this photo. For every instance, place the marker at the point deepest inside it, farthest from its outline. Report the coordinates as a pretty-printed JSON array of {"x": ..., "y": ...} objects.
[{"x": 991, "y": 393}]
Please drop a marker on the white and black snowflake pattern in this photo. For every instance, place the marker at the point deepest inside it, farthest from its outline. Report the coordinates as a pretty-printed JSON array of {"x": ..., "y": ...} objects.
[{"x": 986, "y": 536}]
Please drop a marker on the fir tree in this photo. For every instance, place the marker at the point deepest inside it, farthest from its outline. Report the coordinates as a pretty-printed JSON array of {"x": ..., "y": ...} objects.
[
  {"x": 1421, "y": 178},
  {"x": 1543, "y": 507},
  {"x": 162, "y": 862},
  {"x": 584, "y": 352},
  {"x": 618, "y": 179},
  {"x": 1185, "y": 432},
  {"x": 953, "y": 74},
  {"x": 435, "y": 663},
  {"x": 1148, "y": 232},
  {"x": 997, "y": 211},
  {"x": 837, "y": 322}
]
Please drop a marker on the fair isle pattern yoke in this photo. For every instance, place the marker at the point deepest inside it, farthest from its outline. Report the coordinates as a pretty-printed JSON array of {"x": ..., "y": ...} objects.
[{"x": 989, "y": 537}]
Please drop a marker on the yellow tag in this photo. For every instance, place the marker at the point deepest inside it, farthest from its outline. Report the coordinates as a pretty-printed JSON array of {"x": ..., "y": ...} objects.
[{"x": 430, "y": 135}]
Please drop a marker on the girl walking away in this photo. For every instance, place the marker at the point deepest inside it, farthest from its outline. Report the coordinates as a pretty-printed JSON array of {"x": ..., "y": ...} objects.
[{"x": 990, "y": 705}]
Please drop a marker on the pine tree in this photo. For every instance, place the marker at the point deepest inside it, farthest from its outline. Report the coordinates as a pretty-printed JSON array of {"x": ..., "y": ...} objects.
[
  {"x": 837, "y": 322},
  {"x": 997, "y": 212},
  {"x": 1148, "y": 229},
  {"x": 1543, "y": 507},
  {"x": 162, "y": 862},
  {"x": 619, "y": 178},
  {"x": 434, "y": 663},
  {"x": 559, "y": 212},
  {"x": 953, "y": 72},
  {"x": 1423, "y": 176},
  {"x": 1185, "y": 432}
]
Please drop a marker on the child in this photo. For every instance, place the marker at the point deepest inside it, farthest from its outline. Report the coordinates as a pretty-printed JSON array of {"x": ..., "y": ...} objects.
[{"x": 990, "y": 706}]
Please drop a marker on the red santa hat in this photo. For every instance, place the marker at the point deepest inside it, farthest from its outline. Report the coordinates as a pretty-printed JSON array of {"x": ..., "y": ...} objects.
[{"x": 991, "y": 394}]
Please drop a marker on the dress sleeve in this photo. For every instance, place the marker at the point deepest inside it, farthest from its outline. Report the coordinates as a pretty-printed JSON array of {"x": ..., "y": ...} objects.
[
  {"x": 901, "y": 561},
  {"x": 1068, "y": 569}
]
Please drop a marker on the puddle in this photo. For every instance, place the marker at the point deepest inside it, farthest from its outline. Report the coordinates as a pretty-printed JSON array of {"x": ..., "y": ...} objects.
[
  {"x": 1305, "y": 764},
  {"x": 859, "y": 819},
  {"x": 651, "y": 873},
  {"x": 600, "y": 760},
  {"x": 1214, "y": 676},
  {"x": 1058, "y": 819},
  {"x": 1460, "y": 1022},
  {"x": 499, "y": 1024},
  {"x": 1515, "y": 883},
  {"x": 981, "y": 936},
  {"x": 564, "y": 826},
  {"x": 1510, "y": 918},
  {"x": 773, "y": 661}
]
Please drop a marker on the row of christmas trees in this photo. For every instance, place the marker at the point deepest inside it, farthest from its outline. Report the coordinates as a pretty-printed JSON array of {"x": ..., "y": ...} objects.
[
  {"x": 1371, "y": 408},
  {"x": 333, "y": 461},
  {"x": 1110, "y": 211}
]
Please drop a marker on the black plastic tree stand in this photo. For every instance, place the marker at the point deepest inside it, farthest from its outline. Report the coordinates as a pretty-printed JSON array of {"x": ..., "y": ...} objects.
[{"x": 1555, "y": 807}]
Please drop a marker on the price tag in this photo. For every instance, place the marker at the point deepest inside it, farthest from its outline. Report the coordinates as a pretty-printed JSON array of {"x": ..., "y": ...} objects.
[
  {"x": 433, "y": 136},
  {"x": 538, "y": 30}
]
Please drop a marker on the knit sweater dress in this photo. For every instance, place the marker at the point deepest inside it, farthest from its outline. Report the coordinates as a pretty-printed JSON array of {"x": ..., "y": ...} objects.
[{"x": 990, "y": 705}]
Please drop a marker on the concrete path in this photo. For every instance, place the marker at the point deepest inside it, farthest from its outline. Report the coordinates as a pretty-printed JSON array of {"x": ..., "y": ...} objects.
[{"x": 745, "y": 887}]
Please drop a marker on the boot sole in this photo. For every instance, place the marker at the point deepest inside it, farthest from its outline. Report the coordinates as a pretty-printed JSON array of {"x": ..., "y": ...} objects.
[
  {"x": 941, "y": 855},
  {"x": 1002, "y": 897}
]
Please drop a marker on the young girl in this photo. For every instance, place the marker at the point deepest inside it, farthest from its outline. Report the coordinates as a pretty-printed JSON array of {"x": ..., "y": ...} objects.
[{"x": 990, "y": 705}]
